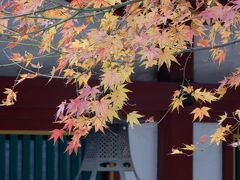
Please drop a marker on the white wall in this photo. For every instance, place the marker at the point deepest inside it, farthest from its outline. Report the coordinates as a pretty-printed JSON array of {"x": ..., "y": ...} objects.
[
  {"x": 207, "y": 164},
  {"x": 143, "y": 145}
]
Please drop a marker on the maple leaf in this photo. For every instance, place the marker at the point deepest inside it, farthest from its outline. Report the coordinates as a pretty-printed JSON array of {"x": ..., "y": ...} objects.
[
  {"x": 78, "y": 3},
  {"x": 237, "y": 4},
  {"x": 200, "y": 113},
  {"x": 219, "y": 134},
  {"x": 26, "y": 76},
  {"x": 133, "y": 118},
  {"x": 175, "y": 151},
  {"x": 219, "y": 55},
  {"x": 47, "y": 39},
  {"x": 235, "y": 144},
  {"x": 149, "y": 53},
  {"x": 234, "y": 80},
  {"x": 237, "y": 112},
  {"x": 73, "y": 146},
  {"x": 87, "y": 90},
  {"x": 110, "y": 79},
  {"x": 99, "y": 125},
  {"x": 177, "y": 102},
  {"x": 166, "y": 56},
  {"x": 3, "y": 24},
  {"x": 55, "y": 134},
  {"x": 69, "y": 72},
  {"x": 203, "y": 43},
  {"x": 11, "y": 97},
  {"x": 109, "y": 21},
  {"x": 150, "y": 120},
  {"x": 119, "y": 96},
  {"x": 83, "y": 79},
  {"x": 204, "y": 95},
  {"x": 61, "y": 109},
  {"x": 190, "y": 147},
  {"x": 69, "y": 124},
  {"x": 104, "y": 3},
  {"x": 77, "y": 106},
  {"x": 111, "y": 114},
  {"x": 16, "y": 57},
  {"x": 101, "y": 107},
  {"x": 222, "y": 118}
]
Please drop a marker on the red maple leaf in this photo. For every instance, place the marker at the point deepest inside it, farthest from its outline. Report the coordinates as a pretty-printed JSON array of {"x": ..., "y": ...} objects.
[
  {"x": 55, "y": 134},
  {"x": 73, "y": 146}
]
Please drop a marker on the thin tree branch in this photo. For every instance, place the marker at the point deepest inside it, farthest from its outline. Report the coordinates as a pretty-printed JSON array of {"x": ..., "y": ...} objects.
[
  {"x": 99, "y": 9},
  {"x": 36, "y": 12},
  {"x": 208, "y": 47}
]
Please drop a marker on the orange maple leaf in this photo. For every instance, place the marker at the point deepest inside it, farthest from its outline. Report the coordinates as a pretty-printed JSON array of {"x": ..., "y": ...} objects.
[
  {"x": 203, "y": 43},
  {"x": 200, "y": 113}
]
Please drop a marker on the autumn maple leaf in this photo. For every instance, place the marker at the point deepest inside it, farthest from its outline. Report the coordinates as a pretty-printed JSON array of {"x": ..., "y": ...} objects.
[
  {"x": 11, "y": 97},
  {"x": 203, "y": 43},
  {"x": 69, "y": 124},
  {"x": 55, "y": 134},
  {"x": 200, "y": 113},
  {"x": 187, "y": 147},
  {"x": 177, "y": 102},
  {"x": 73, "y": 146},
  {"x": 77, "y": 106},
  {"x": 61, "y": 109},
  {"x": 175, "y": 151},
  {"x": 133, "y": 118}
]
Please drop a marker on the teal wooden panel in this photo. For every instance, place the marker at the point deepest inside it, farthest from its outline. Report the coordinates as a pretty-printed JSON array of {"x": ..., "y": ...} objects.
[
  {"x": 38, "y": 157},
  {"x": 26, "y": 157},
  {"x": 62, "y": 159},
  {"x": 75, "y": 163},
  {"x": 50, "y": 160},
  {"x": 237, "y": 160},
  {"x": 2, "y": 156},
  {"x": 13, "y": 156}
]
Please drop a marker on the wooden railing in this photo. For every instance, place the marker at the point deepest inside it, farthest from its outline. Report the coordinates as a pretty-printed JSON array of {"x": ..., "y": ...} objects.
[{"x": 30, "y": 155}]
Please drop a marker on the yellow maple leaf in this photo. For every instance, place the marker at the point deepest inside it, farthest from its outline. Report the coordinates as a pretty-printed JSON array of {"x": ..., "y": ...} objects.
[
  {"x": 82, "y": 79},
  {"x": 166, "y": 56},
  {"x": 177, "y": 102},
  {"x": 11, "y": 97},
  {"x": 200, "y": 113},
  {"x": 175, "y": 151},
  {"x": 190, "y": 147},
  {"x": 204, "y": 95},
  {"x": 119, "y": 96},
  {"x": 222, "y": 118},
  {"x": 219, "y": 134},
  {"x": 132, "y": 118},
  {"x": 109, "y": 21},
  {"x": 47, "y": 39},
  {"x": 69, "y": 72},
  {"x": 237, "y": 112}
]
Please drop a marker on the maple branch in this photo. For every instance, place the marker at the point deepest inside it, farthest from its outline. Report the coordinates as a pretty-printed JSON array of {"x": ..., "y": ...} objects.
[
  {"x": 165, "y": 114},
  {"x": 43, "y": 29},
  {"x": 98, "y": 9},
  {"x": 33, "y": 40},
  {"x": 31, "y": 71},
  {"x": 208, "y": 47},
  {"x": 36, "y": 12},
  {"x": 6, "y": 65}
]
